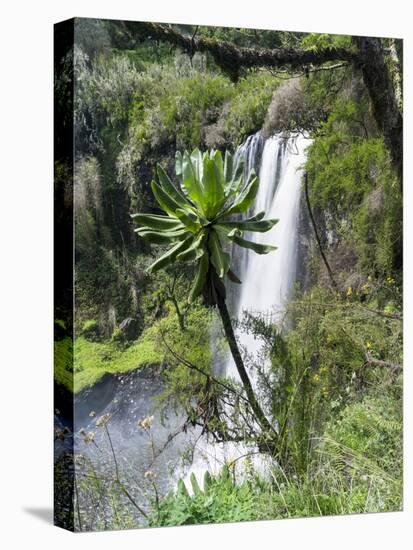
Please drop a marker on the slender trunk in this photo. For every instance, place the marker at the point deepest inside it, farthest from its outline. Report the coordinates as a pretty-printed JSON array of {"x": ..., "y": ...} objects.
[
  {"x": 384, "y": 97},
  {"x": 179, "y": 314},
  {"x": 310, "y": 211},
  {"x": 246, "y": 382}
]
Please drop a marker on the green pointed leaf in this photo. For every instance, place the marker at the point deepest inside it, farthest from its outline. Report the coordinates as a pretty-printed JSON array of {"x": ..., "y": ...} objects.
[
  {"x": 182, "y": 490},
  {"x": 250, "y": 224},
  {"x": 165, "y": 201},
  {"x": 169, "y": 257},
  {"x": 246, "y": 198},
  {"x": 195, "y": 487},
  {"x": 200, "y": 278},
  {"x": 157, "y": 222},
  {"x": 222, "y": 220},
  {"x": 194, "y": 251},
  {"x": 235, "y": 184},
  {"x": 220, "y": 259},
  {"x": 256, "y": 247},
  {"x": 228, "y": 167},
  {"x": 161, "y": 237},
  {"x": 227, "y": 232},
  {"x": 197, "y": 163},
  {"x": 189, "y": 219},
  {"x": 219, "y": 163},
  {"x": 190, "y": 255},
  {"x": 207, "y": 481},
  {"x": 213, "y": 190},
  {"x": 170, "y": 189},
  {"x": 190, "y": 183},
  {"x": 260, "y": 227}
]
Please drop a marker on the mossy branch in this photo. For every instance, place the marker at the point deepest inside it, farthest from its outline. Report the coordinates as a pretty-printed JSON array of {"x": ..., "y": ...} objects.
[{"x": 231, "y": 58}]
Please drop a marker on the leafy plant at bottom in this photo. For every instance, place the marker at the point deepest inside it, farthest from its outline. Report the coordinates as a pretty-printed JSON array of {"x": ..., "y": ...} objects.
[{"x": 219, "y": 501}]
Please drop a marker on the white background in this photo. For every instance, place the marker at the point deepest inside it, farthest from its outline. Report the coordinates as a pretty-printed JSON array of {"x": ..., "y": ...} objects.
[{"x": 26, "y": 272}]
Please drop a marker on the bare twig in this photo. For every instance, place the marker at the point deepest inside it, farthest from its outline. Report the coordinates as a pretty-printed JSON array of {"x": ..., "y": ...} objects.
[
  {"x": 190, "y": 365},
  {"x": 370, "y": 360},
  {"x": 118, "y": 480}
]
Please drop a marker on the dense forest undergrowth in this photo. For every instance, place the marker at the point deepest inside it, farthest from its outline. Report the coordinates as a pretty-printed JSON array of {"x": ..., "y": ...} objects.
[{"x": 334, "y": 384}]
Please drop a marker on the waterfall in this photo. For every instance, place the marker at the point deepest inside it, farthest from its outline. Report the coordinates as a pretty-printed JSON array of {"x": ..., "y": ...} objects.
[{"x": 267, "y": 280}]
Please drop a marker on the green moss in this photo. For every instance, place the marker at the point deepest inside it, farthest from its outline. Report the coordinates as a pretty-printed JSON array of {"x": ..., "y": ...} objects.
[
  {"x": 92, "y": 360},
  {"x": 83, "y": 364},
  {"x": 90, "y": 330}
]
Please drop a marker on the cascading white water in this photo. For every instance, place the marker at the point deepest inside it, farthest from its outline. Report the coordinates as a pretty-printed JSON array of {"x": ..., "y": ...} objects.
[{"x": 267, "y": 280}]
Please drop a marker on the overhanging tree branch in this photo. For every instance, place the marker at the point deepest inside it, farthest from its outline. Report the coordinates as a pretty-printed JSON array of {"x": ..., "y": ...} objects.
[{"x": 231, "y": 58}]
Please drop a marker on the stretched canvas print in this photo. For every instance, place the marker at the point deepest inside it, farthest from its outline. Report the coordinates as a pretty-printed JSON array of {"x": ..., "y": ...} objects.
[{"x": 228, "y": 274}]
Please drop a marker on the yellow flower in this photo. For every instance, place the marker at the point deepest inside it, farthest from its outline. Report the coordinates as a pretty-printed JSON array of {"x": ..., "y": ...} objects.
[
  {"x": 103, "y": 420},
  {"x": 145, "y": 423},
  {"x": 349, "y": 291},
  {"x": 368, "y": 345},
  {"x": 316, "y": 378},
  {"x": 90, "y": 436}
]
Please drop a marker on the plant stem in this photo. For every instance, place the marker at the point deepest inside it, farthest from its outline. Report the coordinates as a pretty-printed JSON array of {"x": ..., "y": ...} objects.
[
  {"x": 77, "y": 502},
  {"x": 246, "y": 382},
  {"x": 310, "y": 211},
  {"x": 118, "y": 480}
]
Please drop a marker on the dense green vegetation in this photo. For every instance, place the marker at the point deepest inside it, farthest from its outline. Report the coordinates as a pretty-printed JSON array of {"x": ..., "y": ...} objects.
[
  {"x": 334, "y": 386},
  {"x": 348, "y": 474}
]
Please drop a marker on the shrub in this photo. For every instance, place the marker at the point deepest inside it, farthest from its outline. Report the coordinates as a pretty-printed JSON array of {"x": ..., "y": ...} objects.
[
  {"x": 248, "y": 108},
  {"x": 118, "y": 336},
  {"x": 90, "y": 330},
  {"x": 220, "y": 501},
  {"x": 291, "y": 110}
]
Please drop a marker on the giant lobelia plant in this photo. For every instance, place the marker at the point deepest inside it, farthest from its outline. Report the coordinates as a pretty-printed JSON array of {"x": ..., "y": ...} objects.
[{"x": 202, "y": 218}]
